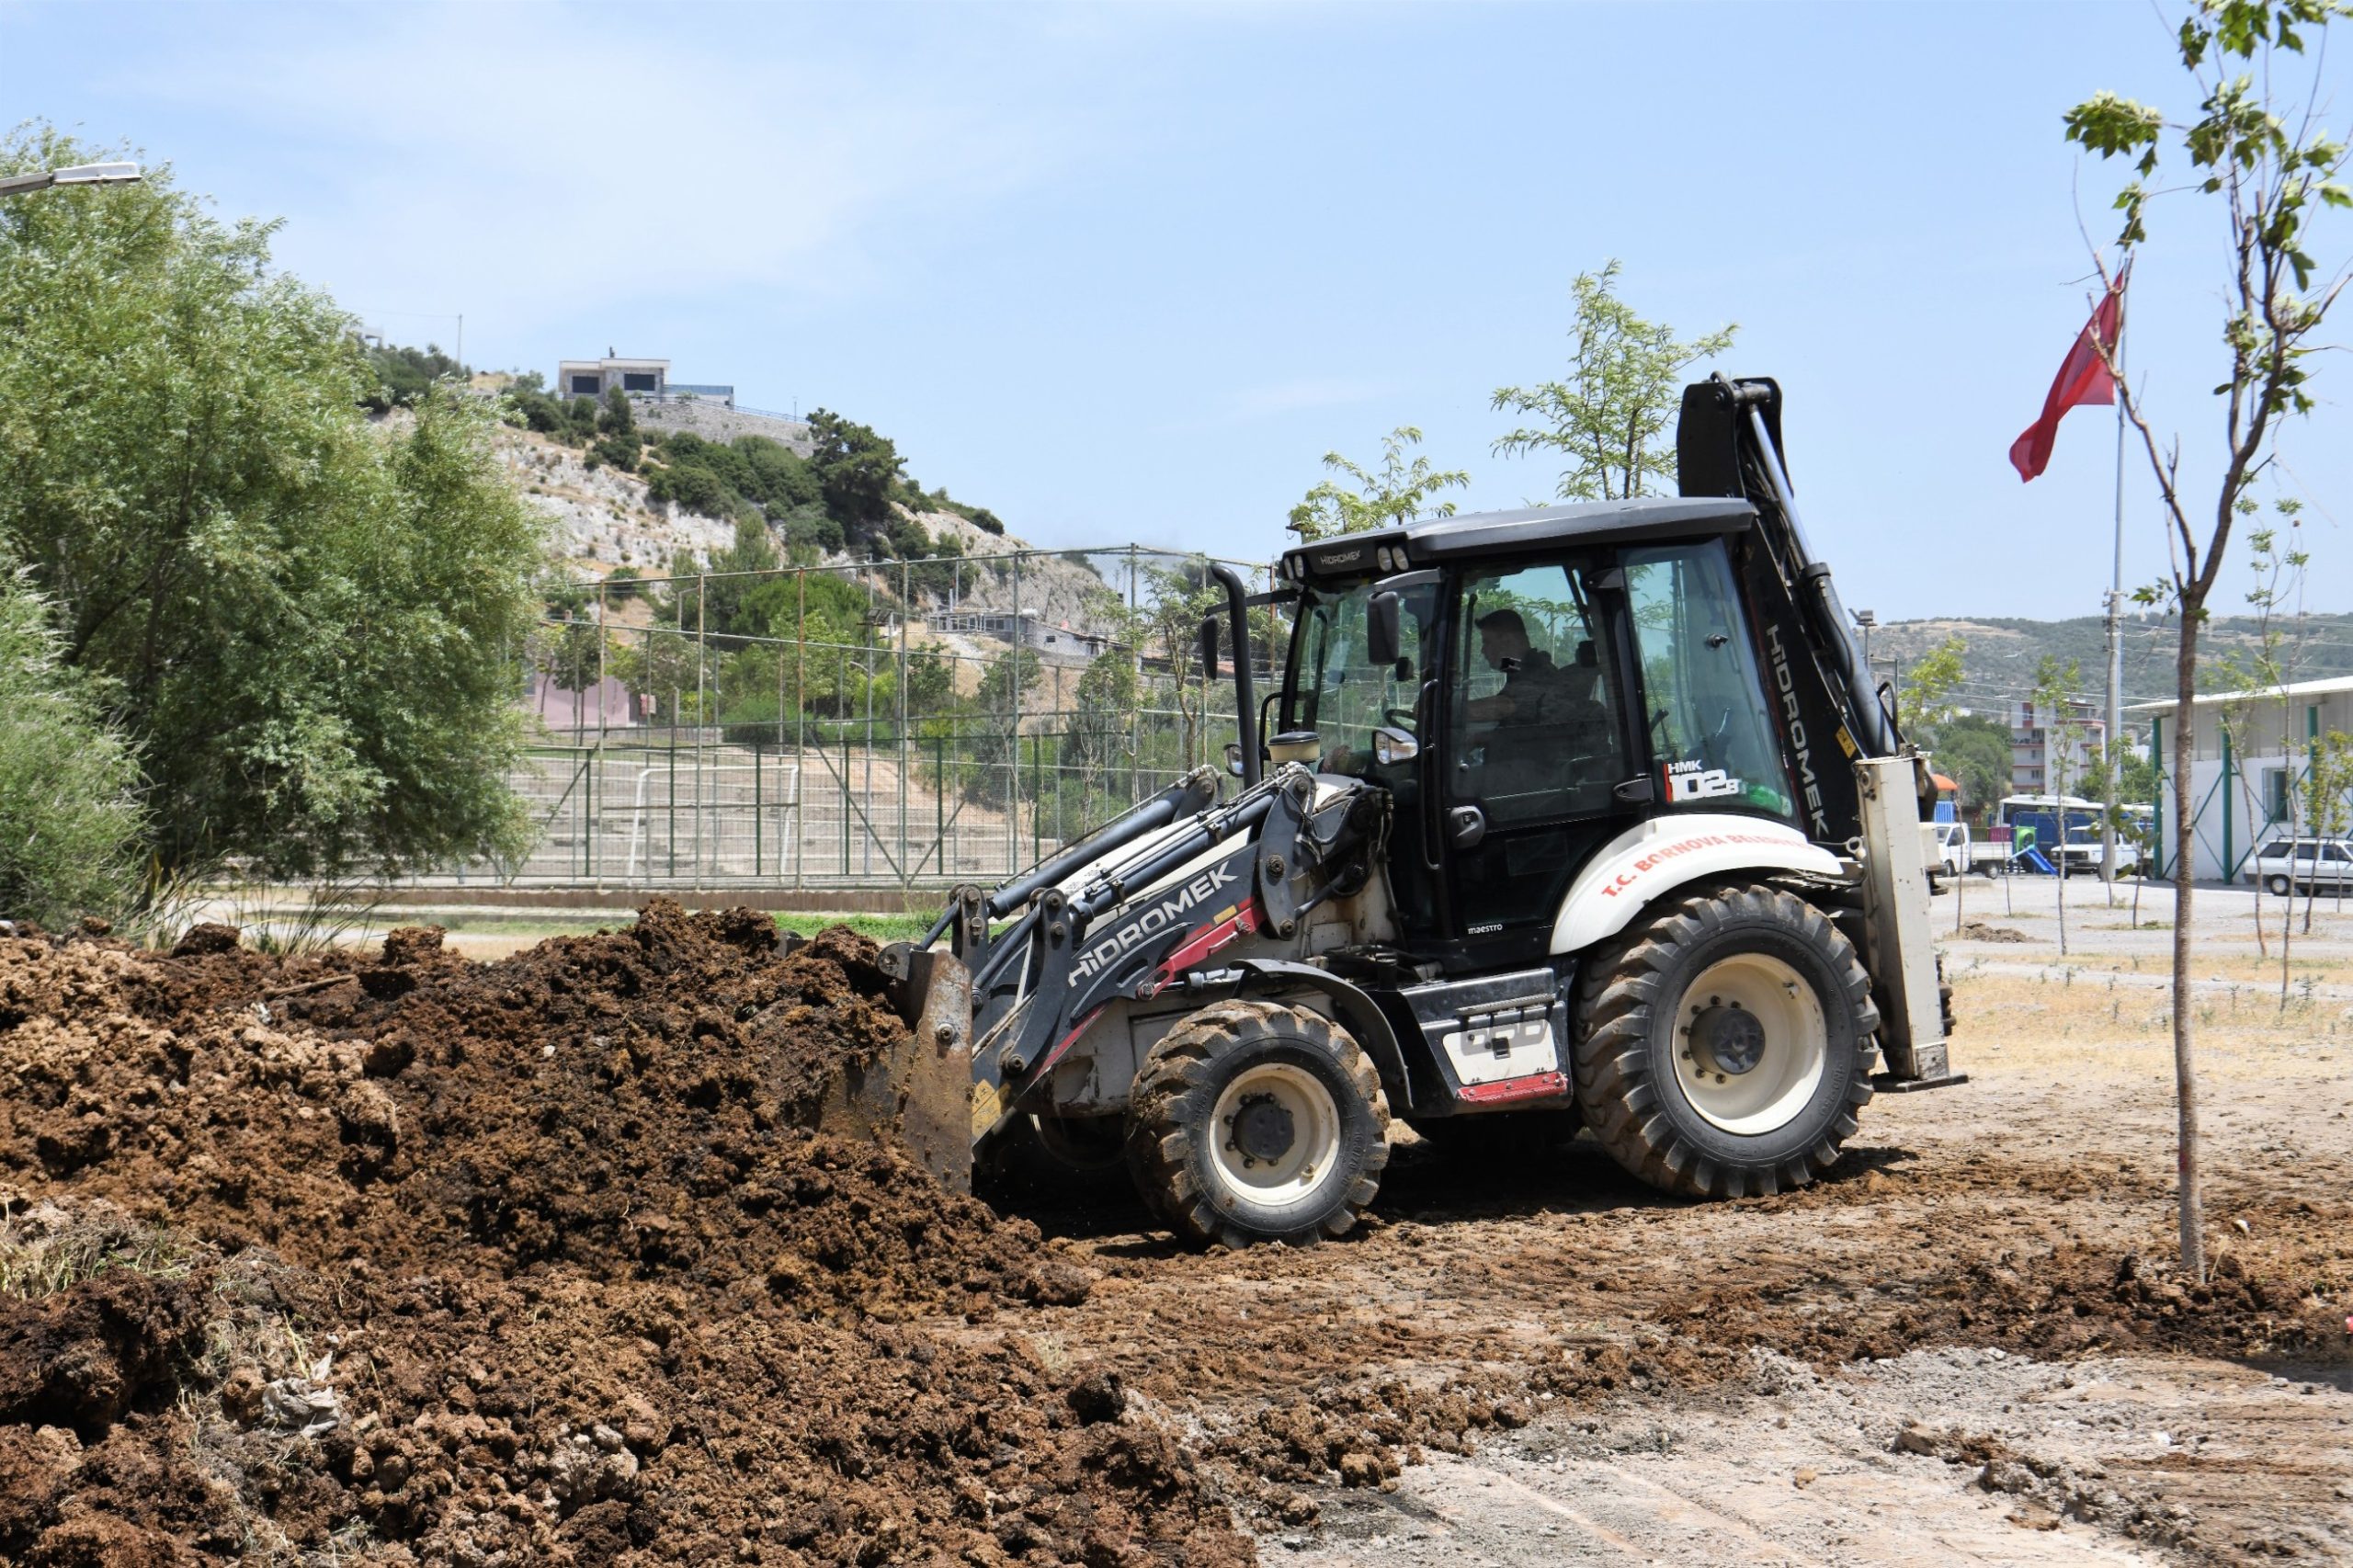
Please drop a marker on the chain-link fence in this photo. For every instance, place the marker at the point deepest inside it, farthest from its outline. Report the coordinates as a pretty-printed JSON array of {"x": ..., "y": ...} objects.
[{"x": 900, "y": 724}]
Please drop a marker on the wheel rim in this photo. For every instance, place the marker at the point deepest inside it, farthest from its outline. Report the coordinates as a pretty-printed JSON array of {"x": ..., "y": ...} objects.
[
  {"x": 1751, "y": 1044},
  {"x": 2279, "y": 886},
  {"x": 1275, "y": 1134}
]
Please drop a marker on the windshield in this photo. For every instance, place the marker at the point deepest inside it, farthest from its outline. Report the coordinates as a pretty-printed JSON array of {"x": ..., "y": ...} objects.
[{"x": 1337, "y": 691}]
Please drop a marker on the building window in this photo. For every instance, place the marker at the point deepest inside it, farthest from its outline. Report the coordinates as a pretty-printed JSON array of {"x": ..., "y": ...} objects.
[
  {"x": 2275, "y": 794},
  {"x": 587, "y": 386},
  {"x": 637, "y": 380}
]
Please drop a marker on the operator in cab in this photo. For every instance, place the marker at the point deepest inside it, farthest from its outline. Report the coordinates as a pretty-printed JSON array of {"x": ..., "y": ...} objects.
[{"x": 1531, "y": 680}]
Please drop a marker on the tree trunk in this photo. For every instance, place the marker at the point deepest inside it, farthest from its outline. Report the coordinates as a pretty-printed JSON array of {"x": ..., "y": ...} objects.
[{"x": 2185, "y": 1071}]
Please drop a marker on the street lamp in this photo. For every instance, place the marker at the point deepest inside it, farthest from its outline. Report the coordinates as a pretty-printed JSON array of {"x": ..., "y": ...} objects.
[
  {"x": 1866, "y": 620},
  {"x": 80, "y": 173}
]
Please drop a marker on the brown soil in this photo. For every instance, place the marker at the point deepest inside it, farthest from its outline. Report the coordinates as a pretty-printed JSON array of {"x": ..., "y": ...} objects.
[{"x": 589, "y": 1288}]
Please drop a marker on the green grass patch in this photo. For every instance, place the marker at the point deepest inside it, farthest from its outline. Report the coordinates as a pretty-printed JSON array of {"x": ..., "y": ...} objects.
[{"x": 883, "y": 928}]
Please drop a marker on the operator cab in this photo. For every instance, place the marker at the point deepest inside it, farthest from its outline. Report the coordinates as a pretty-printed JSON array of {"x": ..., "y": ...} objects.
[{"x": 1528, "y": 685}]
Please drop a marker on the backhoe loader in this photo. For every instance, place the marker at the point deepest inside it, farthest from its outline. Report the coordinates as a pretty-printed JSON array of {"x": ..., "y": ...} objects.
[{"x": 1582, "y": 811}]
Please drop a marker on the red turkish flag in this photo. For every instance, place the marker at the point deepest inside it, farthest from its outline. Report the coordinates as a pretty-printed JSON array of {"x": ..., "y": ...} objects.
[{"x": 2082, "y": 378}]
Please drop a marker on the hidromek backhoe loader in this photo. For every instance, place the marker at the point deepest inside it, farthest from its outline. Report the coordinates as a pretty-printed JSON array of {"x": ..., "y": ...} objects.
[{"x": 1578, "y": 810}]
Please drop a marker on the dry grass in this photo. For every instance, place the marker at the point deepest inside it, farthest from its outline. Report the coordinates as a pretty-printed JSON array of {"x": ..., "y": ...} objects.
[
  {"x": 2100, "y": 1025},
  {"x": 42, "y": 1254}
]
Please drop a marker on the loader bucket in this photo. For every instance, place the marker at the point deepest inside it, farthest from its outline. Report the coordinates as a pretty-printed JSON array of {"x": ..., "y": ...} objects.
[{"x": 918, "y": 1095}]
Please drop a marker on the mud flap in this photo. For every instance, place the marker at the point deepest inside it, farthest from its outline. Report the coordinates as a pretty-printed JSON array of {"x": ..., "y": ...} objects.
[{"x": 919, "y": 1095}]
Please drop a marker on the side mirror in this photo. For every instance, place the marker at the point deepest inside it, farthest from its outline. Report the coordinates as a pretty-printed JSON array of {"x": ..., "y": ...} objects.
[
  {"x": 1384, "y": 632},
  {"x": 1233, "y": 757},
  {"x": 1209, "y": 646},
  {"x": 1390, "y": 747}
]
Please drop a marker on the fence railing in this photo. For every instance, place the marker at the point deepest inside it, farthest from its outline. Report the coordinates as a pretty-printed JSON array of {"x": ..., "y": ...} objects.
[{"x": 862, "y": 748}]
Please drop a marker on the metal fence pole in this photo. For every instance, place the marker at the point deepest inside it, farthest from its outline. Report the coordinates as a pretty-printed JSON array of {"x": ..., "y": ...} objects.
[
  {"x": 596, "y": 862},
  {"x": 906, "y": 608},
  {"x": 800, "y": 712},
  {"x": 703, "y": 715}
]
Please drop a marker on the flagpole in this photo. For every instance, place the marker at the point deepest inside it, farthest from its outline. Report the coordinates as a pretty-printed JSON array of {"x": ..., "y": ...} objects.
[{"x": 2115, "y": 634}]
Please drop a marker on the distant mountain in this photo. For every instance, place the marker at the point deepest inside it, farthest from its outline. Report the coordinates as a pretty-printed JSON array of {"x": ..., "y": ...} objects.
[{"x": 2005, "y": 653}]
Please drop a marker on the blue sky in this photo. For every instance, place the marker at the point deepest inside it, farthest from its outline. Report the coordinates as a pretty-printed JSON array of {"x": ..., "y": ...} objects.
[{"x": 1129, "y": 272}]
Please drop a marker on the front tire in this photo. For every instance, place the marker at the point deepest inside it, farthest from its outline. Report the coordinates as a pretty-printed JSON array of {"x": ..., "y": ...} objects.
[
  {"x": 1256, "y": 1122},
  {"x": 1726, "y": 1044},
  {"x": 2278, "y": 887}
]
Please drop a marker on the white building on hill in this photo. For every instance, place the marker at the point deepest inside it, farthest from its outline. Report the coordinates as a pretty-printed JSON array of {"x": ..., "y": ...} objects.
[
  {"x": 646, "y": 379},
  {"x": 2246, "y": 777}
]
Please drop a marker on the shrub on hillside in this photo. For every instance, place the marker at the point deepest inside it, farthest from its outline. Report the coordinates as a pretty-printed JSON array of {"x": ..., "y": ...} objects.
[{"x": 404, "y": 375}]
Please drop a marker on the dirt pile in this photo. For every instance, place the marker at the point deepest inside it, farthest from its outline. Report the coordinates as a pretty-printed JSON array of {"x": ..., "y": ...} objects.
[{"x": 401, "y": 1259}]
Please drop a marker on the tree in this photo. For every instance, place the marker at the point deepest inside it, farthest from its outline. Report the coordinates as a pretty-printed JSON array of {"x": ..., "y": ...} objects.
[
  {"x": 2052, "y": 685},
  {"x": 2268, "y": 163},
  {"x": 312, "y": 627},
  {"x": 996, "y": 752},
  {"x": 1393, "y": 496},
  {"x": 2328, "y": 800},
  {"x": 1176, "y": 598},
  {"x": 1975, "y": 751},
  {"x": 857, "y": 471},
  {"x": 1612, "y": 418},
  {"x": 70, "y": 824},
  {"x": 1924, "y": 702},
  {"x": 405, "y": 375},
  {"x": 2255, "y": 679}
]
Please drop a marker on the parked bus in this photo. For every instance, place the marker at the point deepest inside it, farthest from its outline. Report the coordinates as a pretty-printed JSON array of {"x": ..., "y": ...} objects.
[{"x": 2038, "y": 843}]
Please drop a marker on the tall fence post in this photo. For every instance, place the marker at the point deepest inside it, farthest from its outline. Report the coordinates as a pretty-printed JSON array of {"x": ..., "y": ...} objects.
[
  {"x": 906, "y": 608},
  {"x": 702, "y": 716}
]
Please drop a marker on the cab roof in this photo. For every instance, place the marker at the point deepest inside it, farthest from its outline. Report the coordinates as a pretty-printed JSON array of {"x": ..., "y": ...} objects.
[{"x": 1438, "y": 540}]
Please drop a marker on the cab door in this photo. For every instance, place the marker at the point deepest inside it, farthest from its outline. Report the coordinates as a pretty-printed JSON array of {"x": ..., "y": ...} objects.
[{"x": 1534, "y": 774}]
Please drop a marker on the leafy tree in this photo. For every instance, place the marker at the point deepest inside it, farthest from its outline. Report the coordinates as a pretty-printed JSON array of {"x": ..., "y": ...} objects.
[
  {"x": 1925, "y": 698},
  {"x": 809, "y": 532},
  {"x": 994, "y": 746},
  {"x": 857, "y": 471},
  {"x": 1974, "y": 752},
  {"x": 70, "y": 824},
  {"x": 621, "y": 584},
  {"x": 311, "y": 626},
  {"x": 1612, "y": 417},
  {"x": 1384, "y": 499},
  {"x": 2053, "y": 683},
  {"x": 620, "y": 452},
  {"x": 616, "y": 418},
  {"x": 2328, "y": 800},
  {"x": 1101, "y": 722},
  {"x": 405, "y": 375},
  {"x": 2252, "y": 676},
  {"x": 2269, "y": 162}
]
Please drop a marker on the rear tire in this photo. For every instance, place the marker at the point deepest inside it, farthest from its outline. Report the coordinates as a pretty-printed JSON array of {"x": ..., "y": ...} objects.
[
  {"x": 1256, "y": 1122},
  {"x": 1726, "y": 1044}
]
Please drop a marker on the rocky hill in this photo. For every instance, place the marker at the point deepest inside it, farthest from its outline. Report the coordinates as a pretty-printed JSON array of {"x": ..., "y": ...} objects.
[
  {"x": 601, "y": 518},
  {"x": 2004, "y": 654}
]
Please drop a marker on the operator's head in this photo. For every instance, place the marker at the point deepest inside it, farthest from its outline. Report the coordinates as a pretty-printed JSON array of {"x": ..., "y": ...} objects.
[{"x": 1503, "y": 636}]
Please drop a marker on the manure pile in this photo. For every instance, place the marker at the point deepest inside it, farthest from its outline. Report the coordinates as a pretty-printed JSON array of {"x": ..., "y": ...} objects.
[{"x": 399, "y": 1258}]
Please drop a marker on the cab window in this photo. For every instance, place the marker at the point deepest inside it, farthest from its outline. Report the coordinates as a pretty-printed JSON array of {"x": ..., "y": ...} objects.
[
  {"x": 1343, "y": 695},
  {"x": 1537, "y": 732},
  {"x": 1710, "y": 728}
]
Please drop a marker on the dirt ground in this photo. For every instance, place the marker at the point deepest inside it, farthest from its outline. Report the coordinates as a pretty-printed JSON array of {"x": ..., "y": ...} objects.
[{"x": 550, "y": 1241}]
